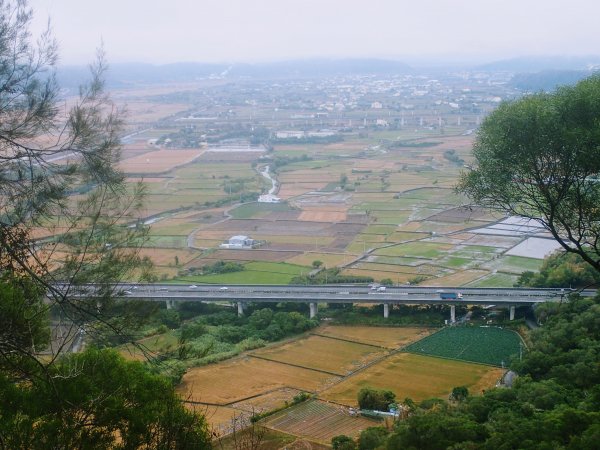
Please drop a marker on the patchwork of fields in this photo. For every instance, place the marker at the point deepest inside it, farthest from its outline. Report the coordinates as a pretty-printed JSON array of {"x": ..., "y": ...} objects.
[
  {"x": 335, "y": 363},
  {"x": 398, "y": 216},
  {"x": 395, "y": 216}
]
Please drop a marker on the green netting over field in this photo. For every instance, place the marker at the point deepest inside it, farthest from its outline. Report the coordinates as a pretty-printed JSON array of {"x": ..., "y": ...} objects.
[{"x": 488, "y": 345}]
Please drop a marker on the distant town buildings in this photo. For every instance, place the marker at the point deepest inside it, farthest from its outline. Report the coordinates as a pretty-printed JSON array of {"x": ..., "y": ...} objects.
[{"x": 298, "y": 134}]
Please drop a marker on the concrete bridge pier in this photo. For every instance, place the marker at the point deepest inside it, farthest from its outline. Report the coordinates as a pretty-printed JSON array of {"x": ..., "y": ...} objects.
[
  {"x": 512, "y": 313},
  {"x": 386, "y": 310},
  {"x": 240, "y": 308},
  {"x": 313, "y": 309},
  {"x": 170, "y": 304},
  {"x": 452, "y": 313}
]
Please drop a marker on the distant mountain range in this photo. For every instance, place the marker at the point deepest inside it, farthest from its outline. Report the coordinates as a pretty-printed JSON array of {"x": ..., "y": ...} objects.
[
  {"x": 533, "y": 73},
  {"x": 131, "y": 73},
  {"x": 542, "y": 63}
]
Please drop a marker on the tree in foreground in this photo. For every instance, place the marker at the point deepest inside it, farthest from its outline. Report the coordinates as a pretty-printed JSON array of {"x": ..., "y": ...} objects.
[
  {"x": 68, "y": 219},
  {"x": 343, "y": 442},
  {"x": 539, "y": 158}
]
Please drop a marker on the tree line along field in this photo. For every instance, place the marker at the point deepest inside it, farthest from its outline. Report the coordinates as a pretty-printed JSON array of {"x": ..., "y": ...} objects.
[{"x": 487, "y": 345}]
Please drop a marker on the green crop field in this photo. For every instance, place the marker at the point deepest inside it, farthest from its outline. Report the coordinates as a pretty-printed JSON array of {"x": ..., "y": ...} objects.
[
  {"x": 486, "y": 345},
  {"x": 495, "y": 280},
  {"x": 254, "y": 273},
  {"x": 517, "y": 264},
  {"x": 415, "y": 249}
]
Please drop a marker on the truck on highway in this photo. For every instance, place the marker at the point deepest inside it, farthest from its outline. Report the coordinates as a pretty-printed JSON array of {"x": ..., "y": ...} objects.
[{"x": 450, "y": 295}]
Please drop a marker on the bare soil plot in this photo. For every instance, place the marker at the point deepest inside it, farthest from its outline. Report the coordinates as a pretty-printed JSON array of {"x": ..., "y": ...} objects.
[
  {"x": 322, "y": 216},
  {"x": 238, "y": 379},
  {"x": 158, "y": 161},
  {"x": 417, "y": 377},
  {"x": 318, "y": 420},
  {"x": 321, "y": 353},
  {"x": 388, "y": 337}
]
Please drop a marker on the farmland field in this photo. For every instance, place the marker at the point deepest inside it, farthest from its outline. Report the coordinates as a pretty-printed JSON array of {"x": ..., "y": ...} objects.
[
  {"x": 318, "y": 420},
  {"x": 159, "y": 161},
  {"x": 254, "y": 209},
  {"x": 495, "y": 280},
  {"x": 321, "y": 353},
  {"x": 234, "y": 380},
  {"x": 415, "y": 249},
  {"x": 254, "y": 273},
  {"x": 219, "y": 418},
  {"x": 388, "y": 337},
  {"x": 415, "y": 376},
  {"x": 488, "y": 345},
  {"x": 269, "y": 401},
  {"x": 456, "y": 279}
]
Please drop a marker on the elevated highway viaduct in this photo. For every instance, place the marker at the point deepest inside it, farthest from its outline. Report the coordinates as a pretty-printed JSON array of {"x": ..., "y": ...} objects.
[{"x": 313, "y": 295}]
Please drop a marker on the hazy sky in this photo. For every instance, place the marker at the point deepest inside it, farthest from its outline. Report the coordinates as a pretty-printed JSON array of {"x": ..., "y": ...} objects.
[{"x": 163, "y": 31}]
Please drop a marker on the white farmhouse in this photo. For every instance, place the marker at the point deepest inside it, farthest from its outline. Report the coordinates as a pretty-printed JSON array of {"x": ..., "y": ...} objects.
[{"x": 239, "y": 241}]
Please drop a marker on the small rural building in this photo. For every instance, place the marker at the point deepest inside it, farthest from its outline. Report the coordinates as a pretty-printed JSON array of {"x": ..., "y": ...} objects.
[
  {"x": 268, "y": 198},
  {"x": 239, "y": 241}
]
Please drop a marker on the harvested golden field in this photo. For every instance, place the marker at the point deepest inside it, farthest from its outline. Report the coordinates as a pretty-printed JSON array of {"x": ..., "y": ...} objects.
[
  {"x": 268, "y": 401},
  {"x": 158, "y": 161},
  {"x": 321, "y": 353},
  {"x": 166, "y": 257},
  {"x": 235, "y": 380},
  {"x": 322, "y": 216},
  {"x": 416, "y": 377},
  {"x": 388, "y": 337},
  {"x": 149, "y": 112}
]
